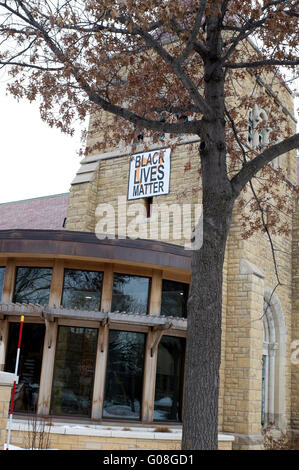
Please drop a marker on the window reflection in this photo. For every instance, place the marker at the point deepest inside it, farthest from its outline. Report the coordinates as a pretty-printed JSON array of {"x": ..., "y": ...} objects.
[
  {"x": 30, "y": 362},
  {"x": 169, "y": 379},
  {"x": 124, "y": 375},
  {"x": 82, "y": 289},
  {"x": 32, "y": 285},
  {"x": 130, "y": 293},
  {"x": 174, "y": 299},
  {"x": 2, "y": 273},
  {"x": 74, "y": 371}
]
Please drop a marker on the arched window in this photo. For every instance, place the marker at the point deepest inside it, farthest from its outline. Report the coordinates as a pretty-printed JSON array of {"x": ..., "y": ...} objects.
[
  {"x": 258, "y": 136},
  {"x": 273, "y": 363}
]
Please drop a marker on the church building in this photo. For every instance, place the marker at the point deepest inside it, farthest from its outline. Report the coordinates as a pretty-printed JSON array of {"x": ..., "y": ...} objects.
[{"x": 104, "y": 296}]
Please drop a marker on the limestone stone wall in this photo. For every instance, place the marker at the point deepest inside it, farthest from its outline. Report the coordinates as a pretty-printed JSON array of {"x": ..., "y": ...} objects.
[
  {"x": 81, "y": 208},
  {"x": 93, "y": 437},
  {"x": 252, "y": 280},
  {"x": 294, "y": 392},
  {"x": 108, "y": 190},
  {"x": 6, "y": 382},
  {"x": 5, "y": 392}
]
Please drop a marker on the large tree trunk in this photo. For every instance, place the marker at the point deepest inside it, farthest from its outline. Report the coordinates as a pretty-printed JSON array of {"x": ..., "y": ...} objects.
[
  {"x": 205, "y": 303},
  {"x": 203, "y": 355}
]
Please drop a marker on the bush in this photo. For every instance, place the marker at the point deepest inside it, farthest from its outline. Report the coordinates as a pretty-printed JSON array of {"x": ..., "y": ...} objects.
[{"x": 276, "y": 439}]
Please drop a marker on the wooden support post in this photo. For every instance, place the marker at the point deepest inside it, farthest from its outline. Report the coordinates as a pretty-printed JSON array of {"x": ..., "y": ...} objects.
[
  {"x": 156, "y": 293},
  {"x": 100, "y": 371},
  {"x": 9, "y": 282},
  {"x": 150, "y": 367},
  {"x": 158, "y": 333},
  {"x": 149, "y": 379},
  {"x": 46, "y": 377},
  {"x": 107, "y": 288},
  {"x": 3, "y": 341},
  {"x": 7, "y": 296},
  {"x": 56, "y": 283}
]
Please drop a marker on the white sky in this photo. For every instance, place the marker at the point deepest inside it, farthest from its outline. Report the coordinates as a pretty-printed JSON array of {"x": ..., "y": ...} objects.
[{"x": 35, "y": 160}]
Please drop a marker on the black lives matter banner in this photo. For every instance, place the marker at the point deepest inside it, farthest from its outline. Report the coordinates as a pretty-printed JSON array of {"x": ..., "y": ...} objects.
[{"x": 149, "y": 174}]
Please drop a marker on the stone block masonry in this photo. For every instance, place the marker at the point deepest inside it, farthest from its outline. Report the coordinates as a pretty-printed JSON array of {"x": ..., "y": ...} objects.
[
  {"x": 64, "y": 436},
  {"x": 6, "y": 383}
]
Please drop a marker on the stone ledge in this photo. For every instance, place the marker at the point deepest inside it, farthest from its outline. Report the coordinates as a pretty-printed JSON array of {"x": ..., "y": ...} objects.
[
  {"x": 248, "y": 440},
  {"x": 115, "y": 432},
  {"x": 126, "y": 151},
  {"x": 249, "y": 268},
  {"x": 90, "y": 164},
  {"x": 7, "y": 378}
]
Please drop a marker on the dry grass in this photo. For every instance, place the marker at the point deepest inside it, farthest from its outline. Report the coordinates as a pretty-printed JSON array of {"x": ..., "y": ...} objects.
[
  {"x": 38, "y": 434},
  {"x": 276, "y": 439},
  {"x": 162, "y": 429}
]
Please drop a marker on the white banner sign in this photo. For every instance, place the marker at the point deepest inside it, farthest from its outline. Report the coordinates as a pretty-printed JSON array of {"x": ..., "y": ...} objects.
[{"x": 149, "y": 174}]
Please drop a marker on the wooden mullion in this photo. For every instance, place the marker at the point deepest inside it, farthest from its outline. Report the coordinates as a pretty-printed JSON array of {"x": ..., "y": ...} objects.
[
  {"x": 84, "y": 265},
  {"x": 149, "y": 379},
  {"x": 100, "y": 371},
  {"x": 155, "y": 293},
  {"x": 56, "y": 283},
  {"x": 176, "y": 276},
  {"x": 9, "y": 282},
  {"x": 107, "y": 288},
  {"x": 3, "y": 341},
  {"x": 34, "y": 262},
  {"x": 133, "y": 270},
  {"x": 47, "y": 370}
]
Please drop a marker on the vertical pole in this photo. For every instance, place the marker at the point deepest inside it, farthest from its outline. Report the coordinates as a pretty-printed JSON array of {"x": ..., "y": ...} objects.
[{"x": 14, "y": 384}]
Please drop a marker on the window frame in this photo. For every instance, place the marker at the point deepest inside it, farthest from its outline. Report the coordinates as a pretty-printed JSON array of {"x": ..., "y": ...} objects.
[
  {"x": 181, "y": 384},
  {"x": 67, "y": 325},
  {"x": 102, "y": 272},
  {"x": 155, "y": 277},
  {"x": 30, "y": 321},
  {"x": 142, "y": 396},
  {"x": 188, "y": 291},
  {"x": 31, "y": 267},
  {"x": 135, "y": 276}
]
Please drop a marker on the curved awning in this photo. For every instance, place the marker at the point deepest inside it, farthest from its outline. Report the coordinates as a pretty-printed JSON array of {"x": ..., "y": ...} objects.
[{"x": 71, "y": 244}]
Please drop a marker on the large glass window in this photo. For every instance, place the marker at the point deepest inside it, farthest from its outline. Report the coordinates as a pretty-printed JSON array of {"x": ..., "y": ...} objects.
[
  {"x": 32, "y": 285},
  {"x": 82, "y": 289},
  {"x": 174, "y": 299},
  {"x": 74, "y": 371},
  {"x": 2, "y": 273},
  {"x": 30, "y": 362},
  {"x": 169, "y": 379},
  {"x": 130, "y": 293},
  {"x": 124, "y": 375}
]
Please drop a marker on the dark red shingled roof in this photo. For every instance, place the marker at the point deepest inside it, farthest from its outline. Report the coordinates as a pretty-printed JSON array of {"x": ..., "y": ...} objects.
[{"x": 44, "y": 213}]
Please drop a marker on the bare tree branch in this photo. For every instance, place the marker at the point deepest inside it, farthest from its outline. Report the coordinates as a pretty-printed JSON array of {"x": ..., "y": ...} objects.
[
  {"x": 29, "y": 66},
  {"x": 260, "y": 63},
  {"x": 253, "y": 166},
  {"x": 194, "y": 33},
  {"x": 178, "y": 71}
]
